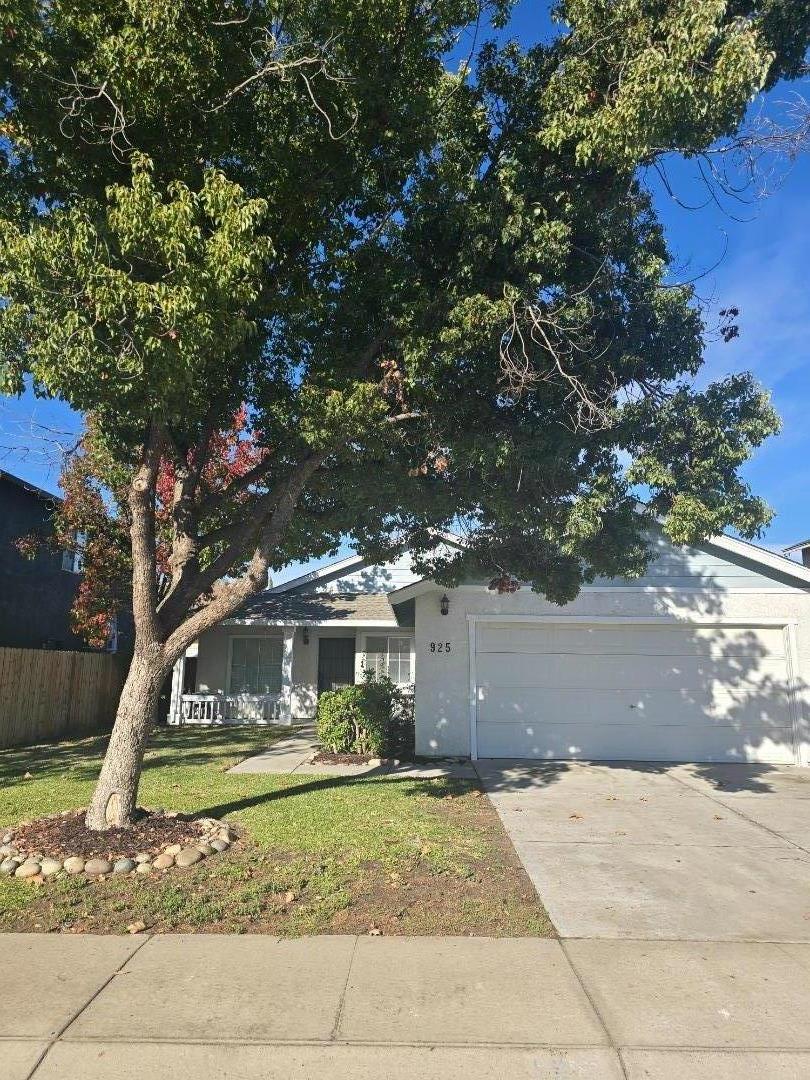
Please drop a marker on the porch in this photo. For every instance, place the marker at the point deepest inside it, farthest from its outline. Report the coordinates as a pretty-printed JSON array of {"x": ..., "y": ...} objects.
[
  {"x": 229, "y": 709},
  {"x": 262, "y": 675},
  {"x": 254, "y": 687}
]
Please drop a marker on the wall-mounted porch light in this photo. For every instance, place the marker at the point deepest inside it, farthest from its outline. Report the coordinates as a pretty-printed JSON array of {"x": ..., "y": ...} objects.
[{"x": 444, "y": 605}]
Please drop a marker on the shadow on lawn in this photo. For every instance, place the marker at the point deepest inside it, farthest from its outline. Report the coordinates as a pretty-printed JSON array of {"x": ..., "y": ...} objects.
[
  {"x": 168, "y": 747},
  {"x": 438, "y": 788}
]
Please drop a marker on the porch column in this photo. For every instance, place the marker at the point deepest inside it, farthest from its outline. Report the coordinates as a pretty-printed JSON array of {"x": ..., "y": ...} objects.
[
  {"x": 286, "y": 675},
  {"x": 175, "y": 701}
]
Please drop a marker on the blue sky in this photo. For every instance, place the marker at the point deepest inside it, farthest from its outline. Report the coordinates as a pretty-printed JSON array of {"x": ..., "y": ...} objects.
[{"x": 763, "y": 270}]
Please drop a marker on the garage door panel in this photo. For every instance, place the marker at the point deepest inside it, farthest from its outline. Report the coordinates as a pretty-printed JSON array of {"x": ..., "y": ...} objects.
[
  {"x": 551, "y": 670},
  {"x": 665, "y": 693},
  {"x": 628, "y": 743},
  {"x": 652, "y": 707},
  {"x": 638, "y": 640}
]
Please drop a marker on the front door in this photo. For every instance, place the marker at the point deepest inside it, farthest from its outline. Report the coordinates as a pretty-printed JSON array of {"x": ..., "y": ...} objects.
[{"x": 335, "y": 663}]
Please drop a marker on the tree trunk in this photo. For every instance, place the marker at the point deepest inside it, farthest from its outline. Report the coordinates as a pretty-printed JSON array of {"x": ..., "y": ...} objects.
[{"x": 113, "y": 802}]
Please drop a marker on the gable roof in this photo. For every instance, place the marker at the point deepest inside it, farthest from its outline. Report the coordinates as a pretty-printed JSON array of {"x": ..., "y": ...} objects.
[
  {"x": 349, "y": 564},
  {"x": 31, "y": 489},
  {"x": 340, "y": 566},
  {"x": 769, "y": 562}
]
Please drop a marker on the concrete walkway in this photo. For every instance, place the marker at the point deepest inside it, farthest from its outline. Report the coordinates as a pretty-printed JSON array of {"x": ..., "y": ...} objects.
[
  {"x": 344, "y": 1008},
  {"x": 294, "y": 754}
]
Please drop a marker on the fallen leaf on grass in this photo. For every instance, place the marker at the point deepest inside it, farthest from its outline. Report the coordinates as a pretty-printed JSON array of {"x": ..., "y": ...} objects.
[
  {"x": 136, "y": 927},
  {"x": 289, "y": 897},
  {"x": 375, "y": 932}
]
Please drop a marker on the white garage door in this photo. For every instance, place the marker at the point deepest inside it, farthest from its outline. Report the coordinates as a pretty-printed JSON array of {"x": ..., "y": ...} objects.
[{"x": 633, "y": 691}]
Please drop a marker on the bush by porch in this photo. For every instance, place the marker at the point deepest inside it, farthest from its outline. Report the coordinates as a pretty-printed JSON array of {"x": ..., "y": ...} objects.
[{"x": 373, "y": 717}]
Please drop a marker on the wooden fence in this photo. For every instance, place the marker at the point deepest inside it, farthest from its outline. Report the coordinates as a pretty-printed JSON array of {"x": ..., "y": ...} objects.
[{"x": 47, "y": 694}]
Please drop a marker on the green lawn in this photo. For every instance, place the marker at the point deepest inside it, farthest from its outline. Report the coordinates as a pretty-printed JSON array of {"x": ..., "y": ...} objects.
[{"x": 320, "y": 854}]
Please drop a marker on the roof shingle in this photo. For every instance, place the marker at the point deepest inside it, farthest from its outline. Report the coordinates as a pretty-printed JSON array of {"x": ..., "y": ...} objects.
[{"x": 317, "y": 607}]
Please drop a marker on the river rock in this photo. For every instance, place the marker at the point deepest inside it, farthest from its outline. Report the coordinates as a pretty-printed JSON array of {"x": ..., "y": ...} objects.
[
  {"x": 143, "y": 857},
  {"x": 51, "y": 866},
  {"x": 144, "y": 867},
  {"x": 94, "y": 867},
  {"x": 220, "y": 845},
  {"x": 74, "y": 865},
  {"x": 164, "y": 861},
  {"x": 27, "y": 869},
  {"x": 124, "y": 866},
  {"x": 7, "y": 851},
  {"x": 9, "y": 865},
  {"x": 205, "y": 849},
  {"x": 173, "y": 849},
  {"x": 188, "y": 856},
  {"x": 8, "y": 837}
]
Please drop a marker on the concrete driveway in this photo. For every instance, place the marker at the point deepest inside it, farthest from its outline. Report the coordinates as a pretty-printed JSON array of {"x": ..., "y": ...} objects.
[
  {"x": 681, "y": 894},
  {"x": 689, "y": 852}
]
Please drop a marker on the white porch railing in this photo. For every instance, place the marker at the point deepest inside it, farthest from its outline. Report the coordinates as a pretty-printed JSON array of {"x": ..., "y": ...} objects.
[{"x": 228, "y": 709}]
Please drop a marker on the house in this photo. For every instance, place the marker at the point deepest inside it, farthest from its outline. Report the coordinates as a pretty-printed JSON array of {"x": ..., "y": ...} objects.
[
  {"x": 36, "y": 594},
  {"x": 705, "y": 658}
]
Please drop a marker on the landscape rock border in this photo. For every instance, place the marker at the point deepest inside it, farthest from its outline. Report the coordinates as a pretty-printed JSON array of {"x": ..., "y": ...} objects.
[{"x": 216, "y": 837}]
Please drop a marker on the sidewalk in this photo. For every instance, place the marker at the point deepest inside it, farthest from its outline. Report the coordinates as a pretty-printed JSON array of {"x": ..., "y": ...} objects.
[
  {"x": 344, "y": 1008},
  {"x": 294, "y": 753}
]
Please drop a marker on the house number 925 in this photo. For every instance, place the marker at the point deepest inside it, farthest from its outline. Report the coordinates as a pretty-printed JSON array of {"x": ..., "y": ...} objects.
[{"x": 440, "y": 646}]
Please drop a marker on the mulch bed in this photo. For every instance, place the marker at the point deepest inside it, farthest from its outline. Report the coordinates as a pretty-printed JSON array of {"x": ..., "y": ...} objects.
[
  {"x": 326, "y": 757},
  {"x": 64, "y": 835}
]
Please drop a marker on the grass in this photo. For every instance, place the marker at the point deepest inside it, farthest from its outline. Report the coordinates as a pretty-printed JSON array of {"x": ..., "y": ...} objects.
[{"x": 320, "y": 854}]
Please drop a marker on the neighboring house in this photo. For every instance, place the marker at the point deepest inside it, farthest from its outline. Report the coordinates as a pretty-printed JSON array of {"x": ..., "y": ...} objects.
[
  {"x": 705, "y": 658},
  {"x": 35, "y": 594}
]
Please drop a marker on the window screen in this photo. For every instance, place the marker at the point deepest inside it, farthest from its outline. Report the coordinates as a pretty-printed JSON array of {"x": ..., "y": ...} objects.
[
  {"x": 255, "y": 666},
  {"x": 389, "y": 656}
]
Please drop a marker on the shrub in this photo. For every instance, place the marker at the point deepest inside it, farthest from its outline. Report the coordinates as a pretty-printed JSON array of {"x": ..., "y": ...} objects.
[{"x": 374, "y": 717}]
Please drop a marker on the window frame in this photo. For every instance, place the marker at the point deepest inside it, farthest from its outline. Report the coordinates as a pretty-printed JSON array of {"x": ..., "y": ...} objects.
[
  {"x": 411, "y": 638},
  {"x": 229, "y": 673},
  {"x": 72, "y": 561}
]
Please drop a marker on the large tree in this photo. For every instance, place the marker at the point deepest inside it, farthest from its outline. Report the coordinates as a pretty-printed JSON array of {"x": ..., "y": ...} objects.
[{"x": 440, "y": 296}]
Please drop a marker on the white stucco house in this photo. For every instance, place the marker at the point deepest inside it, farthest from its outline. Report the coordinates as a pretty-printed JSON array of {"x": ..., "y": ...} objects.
[{"x": 705, "y": 658}]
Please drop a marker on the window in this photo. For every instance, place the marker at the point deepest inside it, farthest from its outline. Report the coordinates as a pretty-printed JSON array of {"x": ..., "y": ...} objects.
[
  {"x": 112, "y": 636},
  {"x": 73, "y": 558},
  {"x": 72, "y": 561},
  {"x": 255, "y": 666},
  {"x": 390, "y": 656}
]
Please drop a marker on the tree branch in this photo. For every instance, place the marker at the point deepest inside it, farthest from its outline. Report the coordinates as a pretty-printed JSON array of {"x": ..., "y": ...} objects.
[
  {"x": 217, "y": 500},
  {"x": 229, "y": 597}
]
